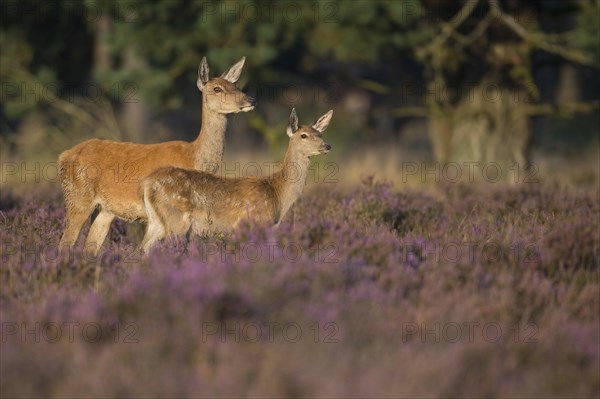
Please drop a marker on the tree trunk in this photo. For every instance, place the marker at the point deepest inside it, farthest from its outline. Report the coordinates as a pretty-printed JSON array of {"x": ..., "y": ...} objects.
[
  {"x": 486, "y": 126},
  {"x": 135, "y": 114}
]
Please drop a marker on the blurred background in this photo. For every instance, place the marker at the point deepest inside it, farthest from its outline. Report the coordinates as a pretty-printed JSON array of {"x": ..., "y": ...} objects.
[{"x": 418, "y": 83}]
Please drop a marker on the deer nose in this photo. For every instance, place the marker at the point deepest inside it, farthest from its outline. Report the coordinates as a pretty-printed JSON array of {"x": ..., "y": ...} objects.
[
  {"x": 328, "y": 147},
  {"x": 251, "y": 100}
]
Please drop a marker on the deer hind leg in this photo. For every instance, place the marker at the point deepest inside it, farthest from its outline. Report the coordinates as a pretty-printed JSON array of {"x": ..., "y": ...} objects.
[
  {"x": 98, "y": 232},
  {"x": 155, "y": 229},
  {"x": 154, "y": 232},
  {"x": 162, "y": 224}
]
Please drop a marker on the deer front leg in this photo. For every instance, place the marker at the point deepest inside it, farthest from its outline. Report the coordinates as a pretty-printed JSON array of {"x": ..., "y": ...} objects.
[
  {"x": 98, "y": 232},
  {"x": 76, "y": 217}
]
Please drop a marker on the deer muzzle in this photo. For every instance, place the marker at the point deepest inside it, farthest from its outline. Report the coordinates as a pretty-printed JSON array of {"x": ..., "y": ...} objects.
[{"x": 250, "y": 103}]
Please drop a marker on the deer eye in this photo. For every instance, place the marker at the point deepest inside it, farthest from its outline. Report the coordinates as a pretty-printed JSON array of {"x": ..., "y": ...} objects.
[
  {"x": 218, "y": 90},
  {"x": 303, "y": 135}
]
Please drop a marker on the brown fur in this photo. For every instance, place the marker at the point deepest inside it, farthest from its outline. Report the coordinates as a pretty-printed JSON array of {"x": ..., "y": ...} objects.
[
  {"x": 106, "y": 174},
  {"x": 178, "y": 199}
]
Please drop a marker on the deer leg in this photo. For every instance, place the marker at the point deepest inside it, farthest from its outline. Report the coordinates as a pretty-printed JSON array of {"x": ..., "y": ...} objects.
[
  {"x": 76, "y": 217},
  {"x": 79, "y": 205},
  {"x": 154, "y": 232},
  {"x": 98, "y": 231},
  {"x": 155, "y": 229}
]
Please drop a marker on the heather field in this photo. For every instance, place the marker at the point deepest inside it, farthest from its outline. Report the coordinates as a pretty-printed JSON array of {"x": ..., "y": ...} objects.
[
  {"x": 370, "y": 290},
  {"x": 446, "y": 243}
]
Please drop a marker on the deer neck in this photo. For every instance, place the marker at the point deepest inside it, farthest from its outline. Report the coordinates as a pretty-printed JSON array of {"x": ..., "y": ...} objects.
[
  {"x": 291, "y": 179},
  {"x": 208, "y": 147}
]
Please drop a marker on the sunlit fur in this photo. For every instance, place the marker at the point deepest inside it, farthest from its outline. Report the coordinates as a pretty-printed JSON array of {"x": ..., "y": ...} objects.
[{"x": 106, "y": 174}]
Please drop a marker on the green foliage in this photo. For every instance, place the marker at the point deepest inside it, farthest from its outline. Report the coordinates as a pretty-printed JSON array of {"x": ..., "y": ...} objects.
[
  {"x": 156, "y": 47},
  {"x": 171, "y": 37},
  {"x": 159, "y": 44}
]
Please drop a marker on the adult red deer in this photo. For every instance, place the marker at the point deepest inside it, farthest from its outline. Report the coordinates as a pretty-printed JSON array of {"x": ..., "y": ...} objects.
[{"x": 106, "y": 174}]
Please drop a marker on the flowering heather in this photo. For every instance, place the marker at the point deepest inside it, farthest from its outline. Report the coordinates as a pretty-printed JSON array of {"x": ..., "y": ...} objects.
[{"x": 371, "y": 291}]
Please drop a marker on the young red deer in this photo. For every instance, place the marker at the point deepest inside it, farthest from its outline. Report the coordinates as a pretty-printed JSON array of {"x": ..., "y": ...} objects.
[
  {"x": 178, "y": 199},
  {"x": 106, "y": 174}
]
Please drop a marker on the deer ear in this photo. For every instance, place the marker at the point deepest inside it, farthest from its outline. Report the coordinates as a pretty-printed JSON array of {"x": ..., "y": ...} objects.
[
  {"x": 202, "y": 74},
  {"x": 293, "y": 125},
  {"x": 233, "y": 73},
  {"x": 322, "y": 123}
]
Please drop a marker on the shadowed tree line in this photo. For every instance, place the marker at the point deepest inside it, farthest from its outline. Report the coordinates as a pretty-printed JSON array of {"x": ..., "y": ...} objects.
[{"x": 469, "y": 67}]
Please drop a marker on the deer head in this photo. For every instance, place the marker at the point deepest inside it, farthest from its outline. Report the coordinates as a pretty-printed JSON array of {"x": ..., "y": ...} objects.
[
  {"x": 221, "y": 94},
  {"x": 308, "y": 140}
]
